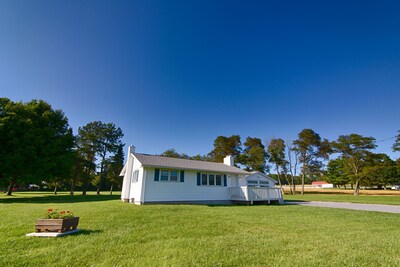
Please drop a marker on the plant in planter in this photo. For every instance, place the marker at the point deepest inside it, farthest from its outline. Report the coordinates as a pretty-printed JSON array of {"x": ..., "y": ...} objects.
[{"x": 57, "y": 221}]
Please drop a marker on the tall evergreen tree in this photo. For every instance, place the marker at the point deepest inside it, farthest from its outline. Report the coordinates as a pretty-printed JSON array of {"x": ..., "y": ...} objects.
[
  {"x": 102, "y": 139},
  {"x": 276, "y": 151},
  {"x": 307, "y": 147},
  {"x": 355, "y": 149},
  {"x": 254, "y": 155},
  {"x": 224, "y": 146}
]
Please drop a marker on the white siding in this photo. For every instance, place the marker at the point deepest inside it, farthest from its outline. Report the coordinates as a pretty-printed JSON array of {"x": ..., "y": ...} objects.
[
  {"x": 136, "y": 186},
  {"x": 186, "y": 191},
  {"x": 256, "y": 177}
]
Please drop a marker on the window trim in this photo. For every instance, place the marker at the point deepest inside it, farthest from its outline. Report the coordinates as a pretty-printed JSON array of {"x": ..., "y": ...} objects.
[
  {"x": 178, "y": 176},
  {"x": 215, "y": 179}
]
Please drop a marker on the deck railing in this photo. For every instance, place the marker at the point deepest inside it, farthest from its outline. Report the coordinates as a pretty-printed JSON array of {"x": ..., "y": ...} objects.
[{"x": 256, "y": 194}]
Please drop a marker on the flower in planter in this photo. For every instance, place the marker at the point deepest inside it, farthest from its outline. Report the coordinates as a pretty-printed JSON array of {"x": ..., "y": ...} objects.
[{"x": 56, "y": 214}]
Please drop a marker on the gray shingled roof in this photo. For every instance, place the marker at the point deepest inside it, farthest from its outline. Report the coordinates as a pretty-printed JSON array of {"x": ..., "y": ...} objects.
[{"x": 186, "y": 164}]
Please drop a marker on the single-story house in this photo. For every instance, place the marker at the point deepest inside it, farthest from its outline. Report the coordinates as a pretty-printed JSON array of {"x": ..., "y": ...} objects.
[
  {"x": 321, "y": 184},
  {"x": 151, "y": 179}
]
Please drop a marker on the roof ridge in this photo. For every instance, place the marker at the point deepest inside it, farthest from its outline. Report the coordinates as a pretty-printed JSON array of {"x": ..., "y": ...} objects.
[{"x": 151, "y": 155}]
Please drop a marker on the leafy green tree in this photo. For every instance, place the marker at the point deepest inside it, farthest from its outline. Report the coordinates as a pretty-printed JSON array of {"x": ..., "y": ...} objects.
[
  {"x": 103, "y": 138},
  {"x": 276, "y": 151},
  {"x": 35, "y": 142},
  {"x": 171, "y": 153},
  {"x": 354, "y": 150},
  {"x": 254, "y": 155},
  {"x": 307, "y": 147},
  {"x": 224, "y": 146},
  {"x": 336, "y": 172},
  {"x": 380, "y": 170}
]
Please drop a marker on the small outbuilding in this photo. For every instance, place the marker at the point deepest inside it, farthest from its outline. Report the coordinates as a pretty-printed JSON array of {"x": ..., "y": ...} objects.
[{"x": 321, "y": 184}]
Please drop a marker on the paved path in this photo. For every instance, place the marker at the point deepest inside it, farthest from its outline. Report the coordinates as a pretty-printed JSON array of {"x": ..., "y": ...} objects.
[{"x": 350, "y": 206}]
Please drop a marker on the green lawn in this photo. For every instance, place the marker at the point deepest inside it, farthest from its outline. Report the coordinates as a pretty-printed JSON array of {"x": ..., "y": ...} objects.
[
  {"x": 391, "y": 200},
  {"x": 117, "y": 233}
]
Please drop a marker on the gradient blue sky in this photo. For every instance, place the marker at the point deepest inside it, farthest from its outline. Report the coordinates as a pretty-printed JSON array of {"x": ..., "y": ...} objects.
[{"x": 176, "y": 74}]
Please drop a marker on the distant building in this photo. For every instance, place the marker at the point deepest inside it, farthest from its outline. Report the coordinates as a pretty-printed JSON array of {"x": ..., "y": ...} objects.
[{"x": 321, "y": 184}]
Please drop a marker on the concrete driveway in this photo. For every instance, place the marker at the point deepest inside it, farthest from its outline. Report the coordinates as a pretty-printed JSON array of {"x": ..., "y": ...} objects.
[{"x": 350, "y": 206}]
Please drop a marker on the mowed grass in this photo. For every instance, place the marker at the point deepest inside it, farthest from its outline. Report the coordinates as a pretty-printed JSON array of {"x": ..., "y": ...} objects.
[
  {"x": 122, "y": 234},
  {"x": 368, "y": 199}
]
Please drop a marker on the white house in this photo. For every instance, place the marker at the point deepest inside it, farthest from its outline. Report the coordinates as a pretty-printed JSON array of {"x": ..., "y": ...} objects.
[{"x": 150, "y": 179}]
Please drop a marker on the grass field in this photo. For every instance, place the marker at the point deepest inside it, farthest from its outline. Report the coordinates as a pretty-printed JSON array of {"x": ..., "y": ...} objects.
[{"x": 119, "y": 234}]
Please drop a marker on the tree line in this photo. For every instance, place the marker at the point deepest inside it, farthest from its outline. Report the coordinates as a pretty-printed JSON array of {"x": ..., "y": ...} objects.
[
  {"x": 348, "y": 160},
  {"x": 38, "y": 147}
]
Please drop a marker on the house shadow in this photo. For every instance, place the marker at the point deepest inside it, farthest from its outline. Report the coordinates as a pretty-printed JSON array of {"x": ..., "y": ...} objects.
[
  {"x": 58, "y": 199},
  {"x": 87, "y": 232}
]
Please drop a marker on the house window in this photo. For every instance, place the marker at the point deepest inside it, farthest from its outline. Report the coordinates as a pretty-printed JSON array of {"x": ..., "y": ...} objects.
[
  {"x": 169, "y": 175},
  {"x": 164, "y": 175},
  {"x": 252, "y": 183},
  {"x": 211, "y": 179},
  {"x": 204, "y": 180},
  {"x": 257, "y": 184},
  {"x": 135, "y": 176},
  {"x": 173, "y": 176},
  {"x": 218, "y": 179}
]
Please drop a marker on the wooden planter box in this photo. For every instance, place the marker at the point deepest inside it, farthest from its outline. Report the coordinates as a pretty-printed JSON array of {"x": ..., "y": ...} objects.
[{"x": 56, "y": 225}]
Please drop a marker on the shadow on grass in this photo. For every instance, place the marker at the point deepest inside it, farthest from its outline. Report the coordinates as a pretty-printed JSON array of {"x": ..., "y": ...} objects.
[
  {"x": 58, "y": 199},
  {"x": 87, "y": 232}
]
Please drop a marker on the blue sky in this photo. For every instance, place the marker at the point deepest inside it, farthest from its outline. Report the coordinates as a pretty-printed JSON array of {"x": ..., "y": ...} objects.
[{"x": 176, "y": 74}]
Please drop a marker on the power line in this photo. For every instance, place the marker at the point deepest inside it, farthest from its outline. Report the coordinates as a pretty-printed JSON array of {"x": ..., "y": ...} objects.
[{"x": 383, "y": 140}]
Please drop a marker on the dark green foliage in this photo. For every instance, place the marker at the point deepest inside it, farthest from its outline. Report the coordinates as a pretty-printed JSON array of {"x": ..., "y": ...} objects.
[
  {"x": 310, "y": 150},
  {"x": 171, "y": 153},
  {"x": 254, "y": 155},
  {"x": 35, "y": 142},
  {"x": 380, "y": 170},
  {"x": 396, "y": 145},
  {"x": 99, "y": 139},
  {"x": 276, "y": 151},
  {"x": 224, "y": 146},
  {"x": 114, "y": 167},
  {"x": 336, "y": 172},
  {"x": 355, "y": 150}
]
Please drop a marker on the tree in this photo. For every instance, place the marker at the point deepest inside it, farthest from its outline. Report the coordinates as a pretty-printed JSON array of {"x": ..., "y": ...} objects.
[
  {"x": 355, "y": 149},
  {"x": 254, "y": 155},
  {"x": 115, "y": 165},
  {"x": 171, "y": 153},
  {"x": 292, "y": 163},
  {"x": 104, "y": 138},
  {"x": 36, "y": 142},
  {"x": 86, "y": 145},
  {"x": 380, "y": 170},
  {"x": 396, "y": 145},
  {"x": 336, "y": 172},
  {"x": 307, "y": 147},
  {"x": 224, "y": 146},
  {"x": 276, "y": 151}
]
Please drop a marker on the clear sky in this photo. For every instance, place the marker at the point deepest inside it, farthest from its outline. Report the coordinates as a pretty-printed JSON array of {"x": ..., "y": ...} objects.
[{"x": 176, "y": 74}]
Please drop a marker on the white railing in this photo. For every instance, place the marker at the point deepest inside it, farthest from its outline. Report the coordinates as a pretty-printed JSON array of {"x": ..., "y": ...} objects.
[{"x": 256, "y": 194}]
